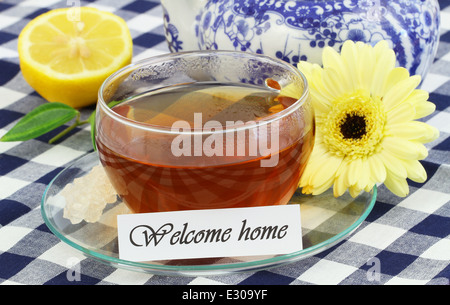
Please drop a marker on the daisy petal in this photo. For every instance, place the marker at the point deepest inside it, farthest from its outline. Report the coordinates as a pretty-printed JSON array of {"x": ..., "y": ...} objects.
[
  {"x": 402, "y": 113},
  {"x": 391, "y": 163},
  {"x": 384, "y": 63},
  {"x": 354, "y": 171},
  {"x": 400, "y": 91},
  {"x": 306, "y": 68},
  {"x": 382, "y": 44},
  {"x": 396, "y": 185},
  {"x": 419, "y": 99},
  {"x": 317, "y": 190},
  {"x": 307, "y": 190},
  {"x": 332, "y": 82},
  {"x": 366, "y": 60},
  {"x": 310, "y": 171},
  {"x": 413, "y": 130},
  {"x": 424, "y": 109},
  {"x": 415, "y": 171},
  {"x": 343, "y": 168},
  {"x": 418, "y": 96},
  {"x": 405, "y": 149},
  {"x": 395, "y": 76},
  {"x": 354, "y": 191},
  {"x": 384, "y": 54},
  {"x": 331, "y": 59},
  {"x": 349, "y": 56},
  {"x": 328, "y": 167},
  {"x": 364, "y": 175},
  {"x": 369, "y": 187},
  {"x": 377, "y": 168},
  {"x": 339, "y": 186},
  {"x": 321, "y": 99}
]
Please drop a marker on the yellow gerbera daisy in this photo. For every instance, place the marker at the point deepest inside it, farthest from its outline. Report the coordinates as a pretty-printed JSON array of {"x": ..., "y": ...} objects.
[{"x": 366, "y": 129}]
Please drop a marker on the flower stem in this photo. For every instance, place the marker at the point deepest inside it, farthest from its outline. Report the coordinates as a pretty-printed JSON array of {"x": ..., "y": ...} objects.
[{"x": 68, "y": 129}]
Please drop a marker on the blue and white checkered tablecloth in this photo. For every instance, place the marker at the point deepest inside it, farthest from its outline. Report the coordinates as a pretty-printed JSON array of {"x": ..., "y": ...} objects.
[{"x": 409, "y": 236}]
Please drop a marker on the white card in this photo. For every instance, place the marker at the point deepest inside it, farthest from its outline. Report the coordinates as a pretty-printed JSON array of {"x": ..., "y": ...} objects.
[{"x": 232, "y": 232}]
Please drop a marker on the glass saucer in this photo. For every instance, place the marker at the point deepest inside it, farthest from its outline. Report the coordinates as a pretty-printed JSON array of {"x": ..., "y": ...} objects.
[{"x": 326, "y": 220}]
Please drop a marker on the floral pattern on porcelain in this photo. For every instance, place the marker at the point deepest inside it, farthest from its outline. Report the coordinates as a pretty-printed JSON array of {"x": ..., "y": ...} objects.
[
  {"x": 172, "y": 34},
  {"x": 299, "y": 30}
]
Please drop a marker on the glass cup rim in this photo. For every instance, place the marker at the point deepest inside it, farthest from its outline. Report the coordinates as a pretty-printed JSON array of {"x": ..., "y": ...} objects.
[{"x": 168, "y": 129}]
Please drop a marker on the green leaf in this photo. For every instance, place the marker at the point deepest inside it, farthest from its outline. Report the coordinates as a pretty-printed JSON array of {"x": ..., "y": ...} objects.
[
  {"x": 92, "y": 122},
  {"x": 39, "y": 121},
  {"x": 114, "y": 103}
]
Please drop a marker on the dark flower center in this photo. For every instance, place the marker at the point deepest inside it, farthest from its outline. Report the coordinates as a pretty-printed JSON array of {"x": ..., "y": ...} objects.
[{"x": 353, "y": 126}]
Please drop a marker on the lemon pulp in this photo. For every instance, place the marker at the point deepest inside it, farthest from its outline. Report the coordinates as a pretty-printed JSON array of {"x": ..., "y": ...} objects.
[{"x": 67, "y": 60}]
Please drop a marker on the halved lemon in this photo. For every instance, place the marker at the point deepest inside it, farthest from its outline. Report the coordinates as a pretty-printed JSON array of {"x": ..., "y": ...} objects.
[{"x": 65, "y": 55}]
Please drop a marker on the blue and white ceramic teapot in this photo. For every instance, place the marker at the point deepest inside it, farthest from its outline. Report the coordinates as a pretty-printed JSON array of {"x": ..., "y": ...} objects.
[{"x": 299, "y": 30}]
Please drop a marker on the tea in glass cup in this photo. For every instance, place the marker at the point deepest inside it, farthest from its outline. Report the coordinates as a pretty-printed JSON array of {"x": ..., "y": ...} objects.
[{"x": 204, "y": 130}]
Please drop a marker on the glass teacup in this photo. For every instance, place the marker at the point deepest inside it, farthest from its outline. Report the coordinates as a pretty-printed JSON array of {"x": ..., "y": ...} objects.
[{"x": 204, "y": 130}]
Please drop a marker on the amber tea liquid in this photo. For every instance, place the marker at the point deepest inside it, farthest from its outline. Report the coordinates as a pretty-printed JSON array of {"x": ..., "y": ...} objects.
[{"x": 151, "y": 174}]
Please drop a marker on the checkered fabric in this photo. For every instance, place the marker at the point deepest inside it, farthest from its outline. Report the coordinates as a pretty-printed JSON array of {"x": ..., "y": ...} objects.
[{"x": 408, "y": 238}]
